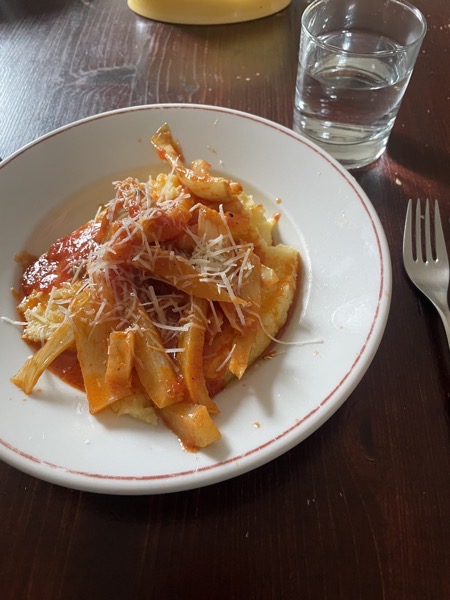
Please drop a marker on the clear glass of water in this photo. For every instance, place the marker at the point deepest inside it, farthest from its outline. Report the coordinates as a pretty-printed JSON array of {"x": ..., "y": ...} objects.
[{"x": 355, "y": 61}]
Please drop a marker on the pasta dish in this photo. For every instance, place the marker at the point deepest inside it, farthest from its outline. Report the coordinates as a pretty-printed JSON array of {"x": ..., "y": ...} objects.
[{"x": 174, "y": 287}]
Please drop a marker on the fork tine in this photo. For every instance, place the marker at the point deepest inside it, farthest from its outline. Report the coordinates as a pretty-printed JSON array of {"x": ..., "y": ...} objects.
[
  {"x": 441, "y": 250},
  {"x": 418, "y": 234},
  {"x": 428, "y": 250},
  {"x": 407, "y": 235}
]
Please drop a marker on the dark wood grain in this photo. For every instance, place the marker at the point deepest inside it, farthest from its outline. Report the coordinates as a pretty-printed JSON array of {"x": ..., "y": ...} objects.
[{"x": 360, "y": 510}]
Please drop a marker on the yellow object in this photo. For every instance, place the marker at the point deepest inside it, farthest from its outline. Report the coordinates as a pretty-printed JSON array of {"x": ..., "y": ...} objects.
[{"x": 206, "y": 12}]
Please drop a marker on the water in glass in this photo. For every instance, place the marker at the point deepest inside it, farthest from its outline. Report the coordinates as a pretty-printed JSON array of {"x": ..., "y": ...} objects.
[{"x": 347, "y": 99}]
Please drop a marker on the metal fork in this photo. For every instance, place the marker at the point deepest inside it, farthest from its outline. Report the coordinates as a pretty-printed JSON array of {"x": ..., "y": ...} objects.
[{"x": 430, "y": 274}]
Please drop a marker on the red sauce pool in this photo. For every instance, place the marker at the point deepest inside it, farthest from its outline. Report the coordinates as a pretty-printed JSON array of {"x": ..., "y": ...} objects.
[{"x": 57, "y": 265}]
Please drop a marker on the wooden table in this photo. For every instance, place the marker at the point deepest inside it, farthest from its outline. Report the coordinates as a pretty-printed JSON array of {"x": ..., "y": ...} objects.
[{"x": 358, "y": 510}]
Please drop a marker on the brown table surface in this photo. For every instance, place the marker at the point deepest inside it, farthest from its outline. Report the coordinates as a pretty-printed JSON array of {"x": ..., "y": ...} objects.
[{"x": 360, "y": 509}]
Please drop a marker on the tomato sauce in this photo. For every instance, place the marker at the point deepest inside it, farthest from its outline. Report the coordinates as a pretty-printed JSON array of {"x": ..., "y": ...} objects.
[
  {"x": 55, "y": 267},
  {"x": 66, "y": 367},
  {"x": 58, "y": 264}
]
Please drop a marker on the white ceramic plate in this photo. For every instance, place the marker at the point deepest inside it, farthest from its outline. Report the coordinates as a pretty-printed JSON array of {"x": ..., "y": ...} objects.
[{"x": 54, "y": 184}]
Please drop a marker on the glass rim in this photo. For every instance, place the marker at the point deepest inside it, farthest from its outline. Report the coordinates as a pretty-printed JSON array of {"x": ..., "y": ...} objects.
[{"x": 401, "y": 49}]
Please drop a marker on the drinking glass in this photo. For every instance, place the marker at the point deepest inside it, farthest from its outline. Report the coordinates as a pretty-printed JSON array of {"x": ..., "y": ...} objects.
[{"x": 355, "y": 61}]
